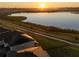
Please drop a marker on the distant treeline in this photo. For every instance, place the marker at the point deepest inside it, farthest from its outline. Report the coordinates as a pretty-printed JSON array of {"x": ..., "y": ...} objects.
[{"x": 33, "y": 10}]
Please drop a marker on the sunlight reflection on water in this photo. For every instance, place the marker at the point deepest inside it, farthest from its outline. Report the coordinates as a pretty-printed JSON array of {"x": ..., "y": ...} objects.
[{"x": 58, "y": 19}]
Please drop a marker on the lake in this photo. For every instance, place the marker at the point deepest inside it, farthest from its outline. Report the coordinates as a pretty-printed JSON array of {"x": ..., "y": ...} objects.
[{"x": 65, "y": 20}]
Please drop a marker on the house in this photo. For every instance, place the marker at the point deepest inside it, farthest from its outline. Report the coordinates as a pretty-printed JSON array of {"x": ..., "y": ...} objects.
[{"x": 12, "y": 41}]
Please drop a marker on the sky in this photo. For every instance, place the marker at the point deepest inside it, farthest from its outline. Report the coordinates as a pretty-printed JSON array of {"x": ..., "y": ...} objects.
[{"x": 36, "y": 4}]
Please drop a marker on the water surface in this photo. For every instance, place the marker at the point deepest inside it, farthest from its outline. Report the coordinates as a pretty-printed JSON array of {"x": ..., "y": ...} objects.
[{"x": 58, "y": 19}]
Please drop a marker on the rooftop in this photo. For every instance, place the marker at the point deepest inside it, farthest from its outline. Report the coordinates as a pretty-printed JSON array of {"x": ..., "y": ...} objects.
[{"x": 12, "y": 38}]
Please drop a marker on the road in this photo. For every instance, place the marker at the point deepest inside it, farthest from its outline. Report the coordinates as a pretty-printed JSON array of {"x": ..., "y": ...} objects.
[
  {"x": 22, "y": 29},
  {"x": 50, "y": 37}
]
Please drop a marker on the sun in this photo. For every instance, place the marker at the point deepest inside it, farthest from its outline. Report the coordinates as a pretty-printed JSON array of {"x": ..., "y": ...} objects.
[{"x": 42, "y": 6}]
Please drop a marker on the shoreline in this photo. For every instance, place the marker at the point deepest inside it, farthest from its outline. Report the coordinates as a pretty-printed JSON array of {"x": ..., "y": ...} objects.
[{"x": 18, "y": 19}]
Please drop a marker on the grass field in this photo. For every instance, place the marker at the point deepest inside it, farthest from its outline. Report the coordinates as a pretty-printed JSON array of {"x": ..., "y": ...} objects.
[{"x": 56, "y": 48}]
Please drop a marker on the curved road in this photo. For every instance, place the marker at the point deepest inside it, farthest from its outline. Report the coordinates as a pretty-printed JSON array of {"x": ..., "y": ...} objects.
[{"x": 22, "y": 29}]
